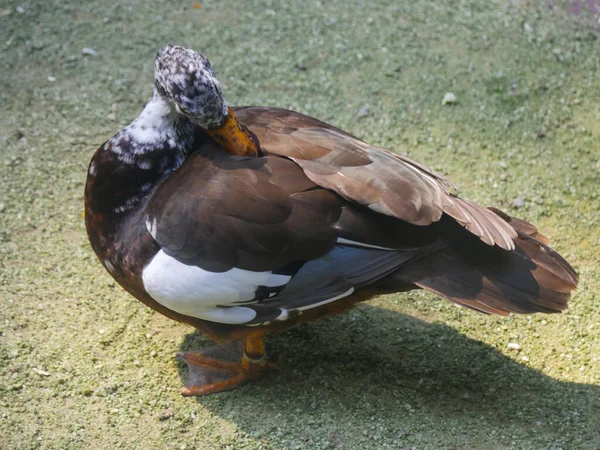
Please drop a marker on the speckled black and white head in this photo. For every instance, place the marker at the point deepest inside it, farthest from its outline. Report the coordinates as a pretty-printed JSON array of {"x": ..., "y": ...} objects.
[{"x": 185, "y": 78}]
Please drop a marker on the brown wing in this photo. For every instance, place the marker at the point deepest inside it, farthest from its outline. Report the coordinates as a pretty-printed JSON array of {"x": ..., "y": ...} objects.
[
  {"x": 219, "y": 212},
  {"x": 386, "y": 182}
]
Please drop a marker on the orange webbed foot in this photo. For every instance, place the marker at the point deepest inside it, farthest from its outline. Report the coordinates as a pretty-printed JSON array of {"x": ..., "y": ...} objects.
[{"x": 225, "y": 367}]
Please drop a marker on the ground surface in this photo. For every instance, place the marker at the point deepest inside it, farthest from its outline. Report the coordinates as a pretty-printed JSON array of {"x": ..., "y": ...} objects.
[{"x": 83, "y": 365}]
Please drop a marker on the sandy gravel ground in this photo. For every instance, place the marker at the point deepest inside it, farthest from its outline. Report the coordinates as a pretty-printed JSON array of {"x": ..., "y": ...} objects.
[{"x": 85, "y": 366}]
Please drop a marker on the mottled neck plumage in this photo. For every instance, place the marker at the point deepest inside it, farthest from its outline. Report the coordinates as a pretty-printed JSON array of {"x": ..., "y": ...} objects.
[
  {"x": 159, "y": 127},
  {"x": 126, "y": 168}
]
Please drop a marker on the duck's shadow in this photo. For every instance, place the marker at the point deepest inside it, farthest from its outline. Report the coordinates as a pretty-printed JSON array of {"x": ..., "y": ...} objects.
[{"x": 378, "y": 370}]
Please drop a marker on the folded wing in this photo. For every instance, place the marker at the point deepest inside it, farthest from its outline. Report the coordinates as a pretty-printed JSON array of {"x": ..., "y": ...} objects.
[
  {"x": 253, "y": 240},
  {"x": 386, "y": 182}
]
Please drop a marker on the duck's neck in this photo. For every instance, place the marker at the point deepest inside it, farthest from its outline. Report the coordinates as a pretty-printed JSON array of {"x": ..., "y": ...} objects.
[
  {"x": 124, "y": 170},
  {"x": 158, "y": 129}
]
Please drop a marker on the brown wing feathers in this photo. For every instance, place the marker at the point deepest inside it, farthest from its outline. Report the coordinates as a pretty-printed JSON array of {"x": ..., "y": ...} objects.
[
  {"x": 482, "y": 222},
  {"x": 521, "y": 226},
  {"x": 260, "y": 214},
  {"x": 528, "y": 277},
  {"x": 385, "y": 182}
]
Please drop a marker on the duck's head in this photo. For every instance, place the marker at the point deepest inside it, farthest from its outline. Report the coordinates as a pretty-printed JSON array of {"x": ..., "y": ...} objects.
[{"x": 185, "y": 78}]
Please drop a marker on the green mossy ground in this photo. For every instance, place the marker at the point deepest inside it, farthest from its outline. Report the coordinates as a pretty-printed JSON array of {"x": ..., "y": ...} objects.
[{"x": 83, "y": 365}]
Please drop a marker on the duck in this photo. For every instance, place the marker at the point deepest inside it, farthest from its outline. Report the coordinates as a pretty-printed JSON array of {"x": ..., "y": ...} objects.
[{"x": 245, "y": 221}]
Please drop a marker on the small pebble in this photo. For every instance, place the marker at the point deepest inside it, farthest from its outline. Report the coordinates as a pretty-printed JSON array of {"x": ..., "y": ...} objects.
[
  {"x": 362, "y": 112},
  {"x": 89, "y": 51},
  {"x": 20, "y": 9},
  {"x": 166, "y": 414},
  {"x": 513, "y": 346},
  {"x": 449, "y": 99},
  {"x": 51, "y": 78},
  {"x": 517, "y": 203}
]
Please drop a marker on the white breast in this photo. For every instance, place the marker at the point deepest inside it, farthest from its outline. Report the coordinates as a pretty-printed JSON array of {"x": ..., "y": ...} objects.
[{"x": 195, "y": 292}]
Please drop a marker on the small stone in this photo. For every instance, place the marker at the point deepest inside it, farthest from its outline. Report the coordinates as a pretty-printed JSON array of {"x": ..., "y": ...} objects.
[
  {"x": 2, "y": 207},
  {"x": 513, "y": 346},
  {"x": 449, "y": 99},
  {"x": 527, "y": 28},
  {"x": 89, "y": 51},
  {"x": 41, "y": 372},
  {"x": 20, "y": 9},
  {"x": 51, "y": 78},
  {"x": 111, "y": 116},
  {"x": 362, "y": 112},
  {"x": 517, "y": 203},
  {"x": 166, "y": 414}
]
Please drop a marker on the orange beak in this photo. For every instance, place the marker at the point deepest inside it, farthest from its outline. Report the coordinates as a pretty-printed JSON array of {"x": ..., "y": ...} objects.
[{"x": 235, "y": 138}]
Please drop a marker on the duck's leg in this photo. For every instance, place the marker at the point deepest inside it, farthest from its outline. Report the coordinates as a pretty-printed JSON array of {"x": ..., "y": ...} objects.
[{"x": 226, "y": 366}]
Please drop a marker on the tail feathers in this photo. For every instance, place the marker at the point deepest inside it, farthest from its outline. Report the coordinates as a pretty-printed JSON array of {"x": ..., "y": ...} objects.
[
  {"x": 546, "y": 257},
  {"x": 531, "y": 278}
]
